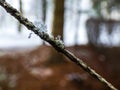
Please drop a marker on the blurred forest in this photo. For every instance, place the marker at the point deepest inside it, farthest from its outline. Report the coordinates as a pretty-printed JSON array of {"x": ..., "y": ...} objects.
[{"x": 89, "y": 28}]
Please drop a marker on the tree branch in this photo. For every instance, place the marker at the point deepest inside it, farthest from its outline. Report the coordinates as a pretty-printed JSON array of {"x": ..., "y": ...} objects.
[{"x": 55, "y": 43}]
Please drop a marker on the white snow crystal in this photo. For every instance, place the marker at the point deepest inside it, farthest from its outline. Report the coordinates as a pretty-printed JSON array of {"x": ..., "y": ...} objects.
[{"x": 41, "y": 26}]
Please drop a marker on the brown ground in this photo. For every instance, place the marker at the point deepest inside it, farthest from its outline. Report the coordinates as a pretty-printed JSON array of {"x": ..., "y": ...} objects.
[{"x": 22, "y": 69}]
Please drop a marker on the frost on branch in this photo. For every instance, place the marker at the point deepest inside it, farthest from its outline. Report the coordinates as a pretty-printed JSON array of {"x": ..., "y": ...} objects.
[
  {"x": 59, "y": 42},
  {"x": 41, "y": 28}
]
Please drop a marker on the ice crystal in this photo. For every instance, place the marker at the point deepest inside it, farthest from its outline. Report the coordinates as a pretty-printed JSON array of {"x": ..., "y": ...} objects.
[
  {"x": 41, "y": 26},
  {"x": 59, "y": 42}
]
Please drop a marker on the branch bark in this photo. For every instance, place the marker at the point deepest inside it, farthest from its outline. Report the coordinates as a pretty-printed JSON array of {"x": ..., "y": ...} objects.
[{"x": 53, "y": 42}]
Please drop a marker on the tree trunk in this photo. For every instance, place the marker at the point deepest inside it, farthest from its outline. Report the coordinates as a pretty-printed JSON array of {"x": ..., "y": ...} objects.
[
  {"x": 58, "y": 20},
  {"x": 21, "y": 11},
  {"x": 57, "y": 29},
  {"x": 44, "y": 5}
]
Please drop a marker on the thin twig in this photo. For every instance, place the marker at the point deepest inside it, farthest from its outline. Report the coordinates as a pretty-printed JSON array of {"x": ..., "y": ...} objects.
[{"x": 53, "y": 42}]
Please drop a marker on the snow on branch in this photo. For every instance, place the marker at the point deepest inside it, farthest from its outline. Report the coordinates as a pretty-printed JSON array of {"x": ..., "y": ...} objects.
[{"x": 55, "y": 42}]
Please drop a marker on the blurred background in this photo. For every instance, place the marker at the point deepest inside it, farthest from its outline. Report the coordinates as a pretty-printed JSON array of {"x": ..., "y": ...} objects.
[{"x": 89, "y": 28}]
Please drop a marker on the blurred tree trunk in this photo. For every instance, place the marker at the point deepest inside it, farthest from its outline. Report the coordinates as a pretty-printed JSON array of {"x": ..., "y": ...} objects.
[
  {"x": 21, "y": 11},
  {"x": 93, "y": 31},
  {"x": 58, "y": 19},
  {"x": 57, "y": 29},
  {"x": 77, "y": 22},
  {"x": 44, "y": 5}
]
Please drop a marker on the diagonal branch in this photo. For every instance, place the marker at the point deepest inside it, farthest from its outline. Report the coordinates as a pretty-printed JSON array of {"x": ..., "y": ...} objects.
[{"x": 55, "y": 43}]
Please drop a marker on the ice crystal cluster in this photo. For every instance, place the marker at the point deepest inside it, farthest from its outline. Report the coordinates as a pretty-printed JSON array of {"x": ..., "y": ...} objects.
[
  {"x": 59, "y": 42},
  {"x": 41, "y": 27},
  {"x": 42, "y": 32}
]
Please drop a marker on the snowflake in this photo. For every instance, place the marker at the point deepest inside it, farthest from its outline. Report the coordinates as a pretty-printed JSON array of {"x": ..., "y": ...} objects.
[{"x": 41, "y": 26}]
